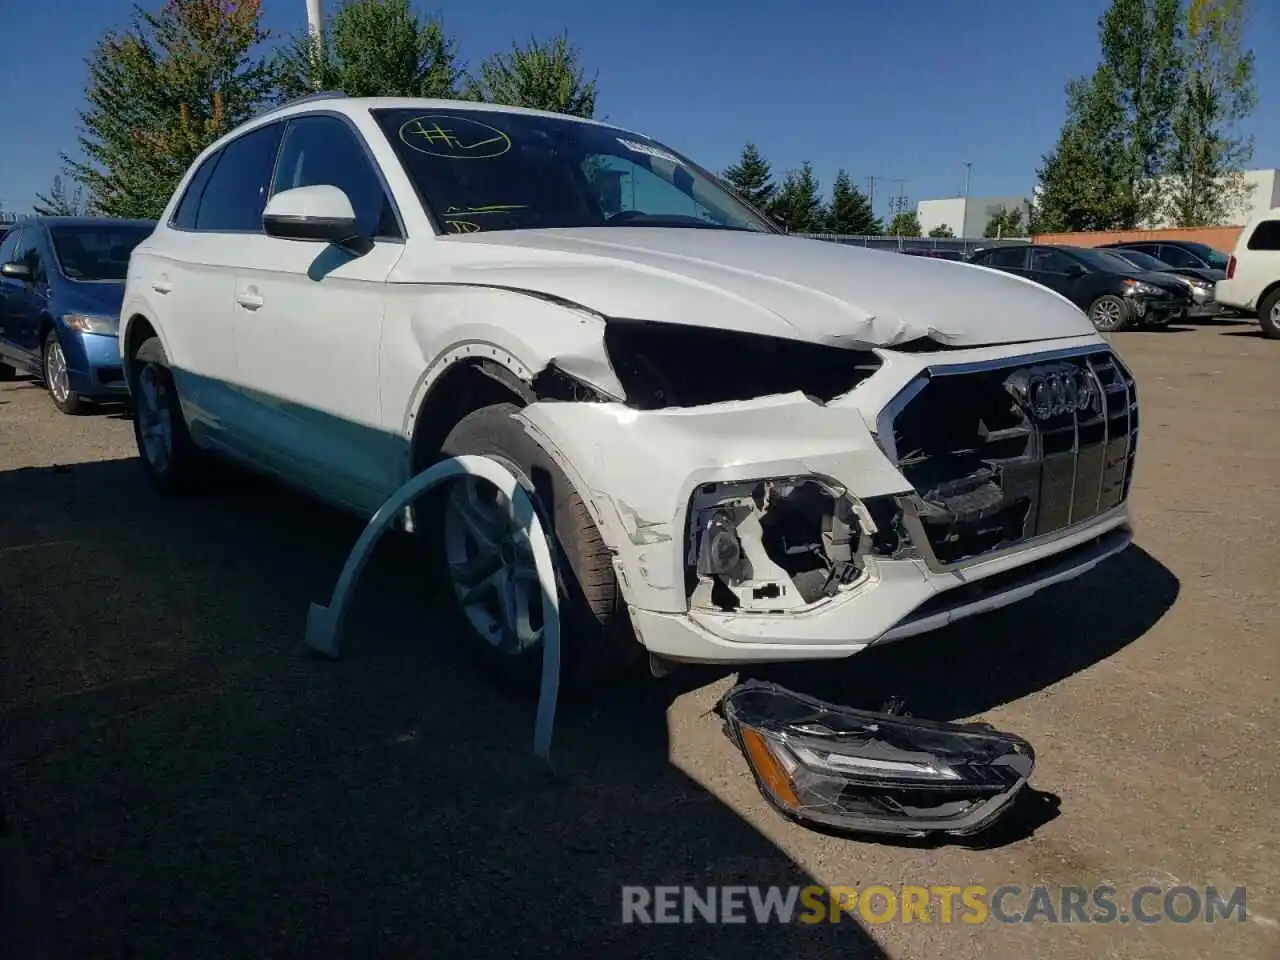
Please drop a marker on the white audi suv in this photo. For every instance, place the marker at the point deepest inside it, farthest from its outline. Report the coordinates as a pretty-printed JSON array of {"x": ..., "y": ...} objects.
[{"x": 750, "y": 446}]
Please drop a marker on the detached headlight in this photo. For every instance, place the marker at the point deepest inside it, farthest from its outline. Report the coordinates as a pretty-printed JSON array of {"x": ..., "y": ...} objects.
[
  {"x": 834, "y": 766},
  {"x": 92, "y": 323}
]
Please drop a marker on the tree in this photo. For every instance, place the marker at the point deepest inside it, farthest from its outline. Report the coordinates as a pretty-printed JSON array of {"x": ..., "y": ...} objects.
[
  {"x": 752, "y": 177},
  {"x": 542, "y": 75},
  {"x": 59, "y": 202},
  {"x": 373, "y": 48},
  {"x": 850, "y": 211},
  {"x": 1005, "y": 223},
  {"x": 1116, "y": 139},
  {"x": 1209, "y": 153},
  {"x": 1081, "y": 180},
  {"x": 942, "y": 230},
  {"x": 162, "y": 91},
  {"x": 904, "y": 224},
  {"x": 799, "y": 201}
]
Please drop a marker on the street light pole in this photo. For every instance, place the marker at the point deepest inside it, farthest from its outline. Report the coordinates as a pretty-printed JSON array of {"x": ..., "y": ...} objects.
[
  {"x": 964, "y": 220},
  {"x": 315, "y": 32}
]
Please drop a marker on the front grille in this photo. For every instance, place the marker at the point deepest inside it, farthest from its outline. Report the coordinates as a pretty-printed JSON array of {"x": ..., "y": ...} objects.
[{"x": 989, "y": 475}]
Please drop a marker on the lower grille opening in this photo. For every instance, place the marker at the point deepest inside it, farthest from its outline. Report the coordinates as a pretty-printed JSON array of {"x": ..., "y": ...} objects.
[{"x": 995, "y": 461}]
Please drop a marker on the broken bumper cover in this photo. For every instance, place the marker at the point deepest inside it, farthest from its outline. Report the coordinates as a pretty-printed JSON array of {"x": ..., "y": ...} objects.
[
  {"x": 900, "y": 598},
  {"x": 875, "y": 773}
]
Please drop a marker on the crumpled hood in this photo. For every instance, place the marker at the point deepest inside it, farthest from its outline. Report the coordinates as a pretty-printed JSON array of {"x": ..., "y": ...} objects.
[{"x": 776, "y": 285}]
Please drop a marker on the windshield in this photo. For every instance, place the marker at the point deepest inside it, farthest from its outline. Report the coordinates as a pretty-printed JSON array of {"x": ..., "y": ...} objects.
[
  {"x": 1214, "y": 258},
  {"x": 1143, "y": 261},
  {"x": 96, "y": 251},
  {"x": 1102, "y": 260},
  {"x": 478, "y": 171}
]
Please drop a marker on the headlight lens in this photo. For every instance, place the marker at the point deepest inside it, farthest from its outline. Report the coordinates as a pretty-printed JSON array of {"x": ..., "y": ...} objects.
[
  {"x": 92, "y": 323},
  {"x": 1144, "y": 289}
]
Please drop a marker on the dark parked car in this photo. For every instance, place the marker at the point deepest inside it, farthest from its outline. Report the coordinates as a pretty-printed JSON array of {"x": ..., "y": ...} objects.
[
  {"x": 1180, "y": 254},
  {"x": 1200, "y": 282},
  {"x": 1114, "y": 293},
  {"x": 61, "y": 288}
]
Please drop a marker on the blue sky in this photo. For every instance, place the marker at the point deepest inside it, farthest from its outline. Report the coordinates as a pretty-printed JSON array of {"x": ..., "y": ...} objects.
[{"x": 895, "y": 90}]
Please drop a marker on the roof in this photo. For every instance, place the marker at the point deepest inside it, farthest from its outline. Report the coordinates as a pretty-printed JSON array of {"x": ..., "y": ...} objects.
[
  {"x": 350, "y": 104},
  {"x": 87, "y": 221}
]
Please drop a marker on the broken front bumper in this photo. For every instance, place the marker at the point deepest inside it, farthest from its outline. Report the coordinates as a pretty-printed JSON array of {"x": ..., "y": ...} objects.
[{"x": 640, "y": 471}]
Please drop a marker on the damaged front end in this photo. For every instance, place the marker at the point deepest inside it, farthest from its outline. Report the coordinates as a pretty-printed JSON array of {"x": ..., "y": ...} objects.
[
  {"x": 876, "y": 773},
  {"x": 777, "y": 545}
]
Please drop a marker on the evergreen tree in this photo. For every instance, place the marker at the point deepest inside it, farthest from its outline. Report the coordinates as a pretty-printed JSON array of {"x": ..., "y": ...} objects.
[
  {"x": 943, "y": 230},
  {"x": 541, "y": 75},
  {"x": 799, "y": 201},
  {"x": 373, "y": 48},
  {"x": 162, "y": 91},
  {"x": 752, "y": 177},
  {"x": 850, "y": 211},
  {"x": 61, "y": 202}
]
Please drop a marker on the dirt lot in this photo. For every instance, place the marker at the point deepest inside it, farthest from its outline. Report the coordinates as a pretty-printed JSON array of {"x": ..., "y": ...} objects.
[{"x": 187, "y": 782}]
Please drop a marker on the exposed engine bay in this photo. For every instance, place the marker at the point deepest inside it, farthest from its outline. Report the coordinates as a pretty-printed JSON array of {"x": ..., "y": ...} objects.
[{"x": 770, "y": 546}]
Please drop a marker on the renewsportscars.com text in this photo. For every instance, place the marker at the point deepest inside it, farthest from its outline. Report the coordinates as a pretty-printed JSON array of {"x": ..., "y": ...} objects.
[{"x": 937, "y": 904}]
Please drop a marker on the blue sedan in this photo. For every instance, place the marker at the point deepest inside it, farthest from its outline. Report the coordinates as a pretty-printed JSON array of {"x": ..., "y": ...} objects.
[{"x": 61, "y": 288}]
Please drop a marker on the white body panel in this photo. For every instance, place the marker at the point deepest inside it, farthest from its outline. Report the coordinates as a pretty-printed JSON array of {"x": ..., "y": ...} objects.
[
  {"x": 313, "y": 364},
  {"x": 1256, "y": 271}
]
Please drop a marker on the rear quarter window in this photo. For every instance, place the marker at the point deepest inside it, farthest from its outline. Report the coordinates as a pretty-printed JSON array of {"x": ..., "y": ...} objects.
[{"x": 1266, "y": 236}]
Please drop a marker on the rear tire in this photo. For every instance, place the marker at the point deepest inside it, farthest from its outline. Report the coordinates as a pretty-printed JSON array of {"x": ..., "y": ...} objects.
[
  {"x": 7, "y": 372},
  {"x": 169, "y": 456},
  {"x": 1110, "y": 313},
  {"x": 1269, "y": 315},
  {"x": 596, "y": 640}
]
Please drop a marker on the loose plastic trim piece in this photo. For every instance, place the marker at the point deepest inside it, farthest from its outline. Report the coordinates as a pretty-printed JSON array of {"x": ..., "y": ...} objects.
[{"x": 324, "y": 624}]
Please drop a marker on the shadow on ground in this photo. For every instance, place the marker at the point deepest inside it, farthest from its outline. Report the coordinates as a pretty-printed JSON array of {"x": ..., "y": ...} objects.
[{"x": 188, "y": 781}]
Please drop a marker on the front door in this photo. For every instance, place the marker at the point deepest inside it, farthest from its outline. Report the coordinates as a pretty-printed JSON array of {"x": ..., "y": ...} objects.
[
  {"x": 1058, "y": 272},
  {"x": 308, "y": 328}
]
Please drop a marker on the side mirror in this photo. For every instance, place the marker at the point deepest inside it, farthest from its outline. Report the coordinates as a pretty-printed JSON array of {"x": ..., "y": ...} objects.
[
  {"x": 321, "y": 214},
  {"x": 16, "y": 271},
  {"x": 1075, "y": 270}
]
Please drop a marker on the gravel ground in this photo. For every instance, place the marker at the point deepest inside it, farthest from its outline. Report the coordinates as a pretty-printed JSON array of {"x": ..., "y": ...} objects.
[{"x": 185, "y": 781}]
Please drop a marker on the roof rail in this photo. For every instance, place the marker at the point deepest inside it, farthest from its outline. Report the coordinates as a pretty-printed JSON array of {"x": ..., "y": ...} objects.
[{"x": 318, "y": 95}]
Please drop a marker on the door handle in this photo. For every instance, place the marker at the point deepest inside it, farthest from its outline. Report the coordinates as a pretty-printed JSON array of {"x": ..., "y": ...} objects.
[
  {"x": 250, "y": 301},
  {"x": 161, "y": 286}
]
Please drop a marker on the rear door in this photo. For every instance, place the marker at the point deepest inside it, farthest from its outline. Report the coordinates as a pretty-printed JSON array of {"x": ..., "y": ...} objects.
[
  {"x": 1009, "y": 259},
  {"x": 1058, "y": 272},
  {"x": 9, "y": 320},
  {"x": 188, "y": 272}
]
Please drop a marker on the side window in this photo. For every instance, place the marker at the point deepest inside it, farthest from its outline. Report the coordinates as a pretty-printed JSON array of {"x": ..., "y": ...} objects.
[
  {"x": 184, "y": 217},
  {"x": 1266, "y": 236},
  {"x": 1176, "y": 257},
  {"x": 9, "y": 245},
  {"x": 325, "y": 150},
  {"x": 1050, "y": 261},
  {"x": 27, "y": 251},
  {"x": 1011, "y": 258},
  {"x": 237, "y": 189}
]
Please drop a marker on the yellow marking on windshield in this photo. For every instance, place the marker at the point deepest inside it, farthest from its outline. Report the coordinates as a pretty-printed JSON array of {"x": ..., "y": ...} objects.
[{"x": 454, "y": 138}]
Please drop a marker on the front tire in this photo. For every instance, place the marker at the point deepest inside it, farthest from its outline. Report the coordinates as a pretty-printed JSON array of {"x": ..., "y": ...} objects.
[
  {"x": 1110, "y": 313},
  {"x": 1269, "y": 315},
  {"x": 500, "y": 620},
  {"x": 57, "y": 378},
  {"x": 169, "y": 456}
]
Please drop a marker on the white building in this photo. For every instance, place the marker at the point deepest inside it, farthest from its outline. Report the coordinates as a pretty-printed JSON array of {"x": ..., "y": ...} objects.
[
  {"x": 1261, "y": 193},
  {"x": 969, "y": 216}
]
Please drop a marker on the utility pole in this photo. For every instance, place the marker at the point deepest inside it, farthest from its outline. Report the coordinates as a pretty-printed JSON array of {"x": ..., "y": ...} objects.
[
  {"x": 871, "y": 192},
  {"x": 315, "y": 30},
  {"x": 964, "y": 217}
]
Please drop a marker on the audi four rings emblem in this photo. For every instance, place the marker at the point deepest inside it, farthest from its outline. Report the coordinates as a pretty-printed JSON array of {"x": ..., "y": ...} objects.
[{"x": 1052, "y": 390}]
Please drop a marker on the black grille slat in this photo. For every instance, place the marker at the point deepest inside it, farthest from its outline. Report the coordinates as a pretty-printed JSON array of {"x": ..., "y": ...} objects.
[{"x": 1044, "y": 476}]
